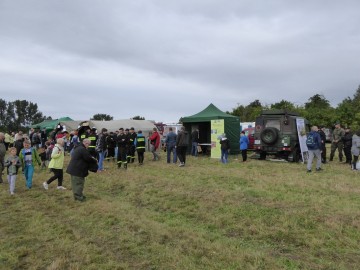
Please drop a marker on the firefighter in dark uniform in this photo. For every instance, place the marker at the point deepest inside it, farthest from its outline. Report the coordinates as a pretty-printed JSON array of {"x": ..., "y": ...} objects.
[
  {"x": 122, "y": 142},
  {"x": 93, "y": 138},
  {"x": 83, "y": 130},
  {"x": 140, "y": 146},
  {"x": 131, "y": 151}
]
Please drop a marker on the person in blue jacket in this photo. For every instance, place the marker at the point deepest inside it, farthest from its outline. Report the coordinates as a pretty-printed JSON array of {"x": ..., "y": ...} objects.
[
  {"x": 313, "y": 143},
  {"x": 244, "y": 143}
]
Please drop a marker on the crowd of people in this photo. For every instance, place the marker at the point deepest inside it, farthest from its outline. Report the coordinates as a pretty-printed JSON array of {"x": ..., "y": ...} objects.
[
  {"x": 342, "y": 140},
  {"x": 89, "y": 149}
]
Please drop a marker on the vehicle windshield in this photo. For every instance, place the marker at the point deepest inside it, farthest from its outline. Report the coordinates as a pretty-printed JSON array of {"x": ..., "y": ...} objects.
[{"x": 275, "y": 123}]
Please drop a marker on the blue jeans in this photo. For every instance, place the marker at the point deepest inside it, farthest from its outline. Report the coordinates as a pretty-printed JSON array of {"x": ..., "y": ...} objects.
[
  {"x": 171, "y": 148},
  {"x": 29, "y": 172},
  {"x": 224, "y": 156},
  {"x": 194, "y": 150},
  {"x": 101, "y": 160}
]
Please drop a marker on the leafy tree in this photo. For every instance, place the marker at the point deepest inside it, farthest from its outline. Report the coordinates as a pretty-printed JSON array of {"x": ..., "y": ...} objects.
[
  {"x": 138, "y": 118},
  {"x": 102, "y": 117},
  {"x": 283, "y": 105},
  {"x": 317, "y": 101},
  {"x": 18, "y": 114},
  {"x": 248, "y": 113}
]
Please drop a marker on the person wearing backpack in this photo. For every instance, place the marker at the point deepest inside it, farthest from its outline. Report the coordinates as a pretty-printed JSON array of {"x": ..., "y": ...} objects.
[{"x": 313, "y": 142}]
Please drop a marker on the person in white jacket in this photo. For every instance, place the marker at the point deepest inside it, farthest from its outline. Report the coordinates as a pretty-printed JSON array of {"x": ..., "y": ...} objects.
[{"x": 355, "y": 149}]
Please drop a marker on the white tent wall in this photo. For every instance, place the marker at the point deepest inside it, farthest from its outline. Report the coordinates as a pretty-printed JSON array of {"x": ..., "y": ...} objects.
[{"x": 145, "y": 125}]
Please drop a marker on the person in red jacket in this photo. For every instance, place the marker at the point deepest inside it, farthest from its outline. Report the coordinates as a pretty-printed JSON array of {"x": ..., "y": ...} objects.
[{"x": 154, "y": 144}]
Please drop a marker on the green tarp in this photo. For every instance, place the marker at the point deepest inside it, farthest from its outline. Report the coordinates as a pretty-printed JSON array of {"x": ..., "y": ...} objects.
[
  {"x": 50, "y": 124},
  {"x": 202, "y": 121}
]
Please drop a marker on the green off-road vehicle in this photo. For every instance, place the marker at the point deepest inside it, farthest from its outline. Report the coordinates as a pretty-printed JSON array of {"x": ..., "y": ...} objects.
[{"x": 276, "y": 133}]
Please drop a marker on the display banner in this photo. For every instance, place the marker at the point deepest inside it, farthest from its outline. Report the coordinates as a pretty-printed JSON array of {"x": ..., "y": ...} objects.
[
  {"x": 217, "y": 129},
  {"x": 300, "y": 124}
]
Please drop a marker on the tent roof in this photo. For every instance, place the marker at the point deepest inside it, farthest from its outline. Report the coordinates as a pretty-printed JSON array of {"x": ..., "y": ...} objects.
[
  {"x": 50, "y": 124},
  {"x": 211, "y": 112}
]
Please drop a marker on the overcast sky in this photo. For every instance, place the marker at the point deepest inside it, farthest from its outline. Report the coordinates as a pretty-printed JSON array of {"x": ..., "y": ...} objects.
[{"x": 167, "y": 59}]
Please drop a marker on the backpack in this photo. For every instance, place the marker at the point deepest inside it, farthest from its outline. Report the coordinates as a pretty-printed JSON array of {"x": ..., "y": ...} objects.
[{"x": 310, "y": 141}]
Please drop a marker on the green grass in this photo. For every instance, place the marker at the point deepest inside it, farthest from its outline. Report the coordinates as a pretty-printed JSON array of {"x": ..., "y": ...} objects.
[{"x": 254, "y": 215}]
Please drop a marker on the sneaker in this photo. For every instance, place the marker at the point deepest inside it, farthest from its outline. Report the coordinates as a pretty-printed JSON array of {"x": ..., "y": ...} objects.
[
  {"x": 318, "y": 169},
  {"x": 309, "y": 171},
  {"x": 181, "y": 164},
  {"x": 12, "y": 193},
  {"x": 45, "y": 185},
  {"x": 61, "y": 187}
]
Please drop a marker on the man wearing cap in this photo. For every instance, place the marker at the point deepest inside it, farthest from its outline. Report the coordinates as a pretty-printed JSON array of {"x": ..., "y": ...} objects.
[{"x": 336, "y": 142}]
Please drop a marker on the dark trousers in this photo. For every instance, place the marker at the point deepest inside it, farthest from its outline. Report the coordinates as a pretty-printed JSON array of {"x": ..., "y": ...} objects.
[
  {"x": 354, "y": 161},
  {"x": 244, "y": 154},
  {"x": 121, "y": 158},
  {"x": 181, "y": 153},
  {"x": 323, "y": 153},
  {"x": 77, "y": 186},
  {"x": 131, "y": 154},
  {"x": 347, "y": 151},
  {"x": 141, "y": 157},
  {"x": 58, "y": 174}
]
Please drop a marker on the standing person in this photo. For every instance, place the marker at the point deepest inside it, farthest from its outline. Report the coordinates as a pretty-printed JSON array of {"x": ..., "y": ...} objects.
[
  {"x": 131, "y": 151},
  {"x": 194, "y": 142},
  {"x": 101, "y": 148},
  {"x": 336, "y": 142},
  {"x": 111, "y": 145},
  {"x": 313, "y": 143},
  {"x": 2, "y": 154},
  {"x": 7, "y": 139},
  {"x": 244, "y": 143},
  {"x": 182, "y": 143},
  {"x": 29, "y": 157},
  {"x": 170, "y": 142},
  {"x": 56, "y": 164},
  {"x": 154, "y": 144},
  {"x": 19, "y": 143},
  {"x": 140, "y": 146},
  {"x": 12, "y": 164},
  {"x": 122, "y": 142},
  {"x": 347, "y": 142},
  {"x": 80, "y": 164},
  {"x": 93, "y": 137},
  {"x": 43, "y": 137},
  {"x": 225, "y": 148},
  {"x": 323, "y": 144},
  {"x": 355, "y": 149}
]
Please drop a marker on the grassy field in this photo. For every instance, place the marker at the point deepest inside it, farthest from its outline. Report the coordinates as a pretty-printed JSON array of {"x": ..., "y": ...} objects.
[{"x": 254, "y": 215}]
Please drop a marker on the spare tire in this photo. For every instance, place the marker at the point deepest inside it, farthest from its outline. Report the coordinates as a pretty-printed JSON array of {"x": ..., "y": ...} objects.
[{"x": 269, "y": 135}]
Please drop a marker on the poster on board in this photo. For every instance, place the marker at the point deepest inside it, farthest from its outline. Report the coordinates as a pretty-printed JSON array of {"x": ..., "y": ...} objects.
[
  {"x": 217, "y": 129},
  {"x": 301, "y": 130}
]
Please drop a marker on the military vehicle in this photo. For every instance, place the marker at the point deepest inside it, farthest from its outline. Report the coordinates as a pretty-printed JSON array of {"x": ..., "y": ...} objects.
[{"x": 276, "y": 133}]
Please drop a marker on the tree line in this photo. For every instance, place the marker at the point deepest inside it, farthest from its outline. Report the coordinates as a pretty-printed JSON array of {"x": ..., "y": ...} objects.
[
  {"x": 20, "y": 114},
  {"x": 317, "y": 110}
]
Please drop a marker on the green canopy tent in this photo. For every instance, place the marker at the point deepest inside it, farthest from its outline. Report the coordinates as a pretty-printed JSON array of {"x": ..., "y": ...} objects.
[
  {"x": 202, "y": 121},
  {"x": 50, "y": 125}
]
